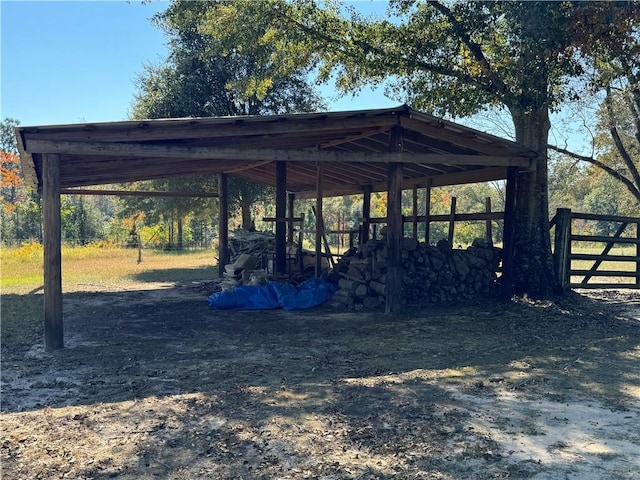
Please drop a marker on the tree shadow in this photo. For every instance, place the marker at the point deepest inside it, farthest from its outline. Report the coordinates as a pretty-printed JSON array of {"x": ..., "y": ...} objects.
[{"x": 265, "y": 394}]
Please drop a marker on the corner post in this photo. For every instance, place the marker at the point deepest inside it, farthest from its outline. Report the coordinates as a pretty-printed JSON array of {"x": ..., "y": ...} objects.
[
  {"x": 53, "y": 322},
  {"x": 508, "y": 233}
]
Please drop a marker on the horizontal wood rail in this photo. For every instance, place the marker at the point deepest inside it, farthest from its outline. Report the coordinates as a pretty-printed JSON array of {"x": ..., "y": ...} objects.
[{"x": 566, "y": 239}]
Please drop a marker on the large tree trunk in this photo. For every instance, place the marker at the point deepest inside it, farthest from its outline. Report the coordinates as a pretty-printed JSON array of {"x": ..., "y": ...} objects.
[
  {"x": 247, "y": 221},
  {"x": 533, "y": 272}
]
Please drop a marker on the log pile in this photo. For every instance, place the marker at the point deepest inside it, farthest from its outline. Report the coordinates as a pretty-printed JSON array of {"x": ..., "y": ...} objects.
[
  {"x": 257, "y": 244},
  {"x": 430, "y": 274}
]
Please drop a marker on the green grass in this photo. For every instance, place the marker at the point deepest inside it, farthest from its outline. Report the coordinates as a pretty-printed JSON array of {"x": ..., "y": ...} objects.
[
  {"x": 82, "y": 267},
  {"x": 623, "y": 266}
]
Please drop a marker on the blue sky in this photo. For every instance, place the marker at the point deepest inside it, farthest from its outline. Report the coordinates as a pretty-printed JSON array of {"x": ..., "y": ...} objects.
[{"x": 77, "y": 61}]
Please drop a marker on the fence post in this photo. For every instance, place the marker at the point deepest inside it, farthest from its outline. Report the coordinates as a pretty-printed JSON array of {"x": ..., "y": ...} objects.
[
  {"x": 452, "y": 220},
  {"x": 562, "y": 247},
  {"x": 638, "y": 255},
  {"x": 487, "y": 209}
]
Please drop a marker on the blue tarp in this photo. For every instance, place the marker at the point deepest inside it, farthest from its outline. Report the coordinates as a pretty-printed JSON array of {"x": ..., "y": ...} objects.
[{"x": 274, "y": 295}]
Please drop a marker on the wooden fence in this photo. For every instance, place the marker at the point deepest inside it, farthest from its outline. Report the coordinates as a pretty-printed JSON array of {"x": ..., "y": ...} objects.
[{"x": 570, "y": 261}]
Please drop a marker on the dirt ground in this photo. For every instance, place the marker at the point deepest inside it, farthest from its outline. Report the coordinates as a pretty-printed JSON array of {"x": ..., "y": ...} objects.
[{"x": 155, "y": 384}]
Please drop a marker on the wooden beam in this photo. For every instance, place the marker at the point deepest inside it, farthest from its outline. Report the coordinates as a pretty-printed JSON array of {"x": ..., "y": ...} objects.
[
  {"x": 220, "y": 127},
  {"x": 427, "y": 211},
  {"x": 139, "y": 150},
  {"x": 508, "y": 234},
  {"x": 53, "y": 322},
  {"x": 366, "y": 213},
  {"x": 452, "y": 221},
  {"x": 281, "y": 215},
  {"x": 136, "y": 193},
  {"x": 291, "y": 198},
  {"x": 318, "y": 212},
  {"x": 414, "y": 211},
  {"x": 457, "y": 178},
  {"x": 395, "y": 228},
  {"x": 223, "y": 224}
]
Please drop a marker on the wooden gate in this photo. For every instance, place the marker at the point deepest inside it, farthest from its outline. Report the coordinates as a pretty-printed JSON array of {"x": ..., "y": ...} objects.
[{"x": 580, "y": 257}]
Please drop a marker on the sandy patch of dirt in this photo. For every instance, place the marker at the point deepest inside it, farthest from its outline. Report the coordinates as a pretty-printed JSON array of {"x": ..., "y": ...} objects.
[{"x": 154, "y": 384}]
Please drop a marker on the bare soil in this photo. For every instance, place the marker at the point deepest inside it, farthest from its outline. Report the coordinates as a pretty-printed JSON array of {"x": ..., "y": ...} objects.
[{"x": 154, "y": 384}]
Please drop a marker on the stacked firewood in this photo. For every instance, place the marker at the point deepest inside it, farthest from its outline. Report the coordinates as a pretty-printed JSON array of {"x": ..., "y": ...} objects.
[
  {"x": 430, "y": 274},
  {"x": 257, "y": 244}
]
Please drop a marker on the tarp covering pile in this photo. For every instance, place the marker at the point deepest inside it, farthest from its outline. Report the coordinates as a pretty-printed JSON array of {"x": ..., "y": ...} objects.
[{"x": 274, "y": 295}]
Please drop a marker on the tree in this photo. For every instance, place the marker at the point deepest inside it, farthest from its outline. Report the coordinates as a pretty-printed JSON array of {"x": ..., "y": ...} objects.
[
  {"x": 203, "y": 77},
  {"x": 616, "y": 144},
  {"x": 21, "y": 207},
  {"x": 458, "y": 58}
]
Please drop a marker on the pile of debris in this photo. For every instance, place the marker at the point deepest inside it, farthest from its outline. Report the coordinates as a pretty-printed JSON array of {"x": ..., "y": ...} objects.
[
  {"x": 430, "y": 274},
  {"x": 250, "y": 253},
  {"x": 257, "y": 244}
]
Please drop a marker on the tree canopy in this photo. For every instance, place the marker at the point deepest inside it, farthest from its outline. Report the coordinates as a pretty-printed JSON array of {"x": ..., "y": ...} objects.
[
  {"x": 455, "y": 58},
  {"x": 205, "y": 77}
]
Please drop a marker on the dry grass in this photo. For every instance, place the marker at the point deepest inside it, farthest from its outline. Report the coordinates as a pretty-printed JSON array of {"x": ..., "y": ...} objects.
[{"x": 102, "y": 266}]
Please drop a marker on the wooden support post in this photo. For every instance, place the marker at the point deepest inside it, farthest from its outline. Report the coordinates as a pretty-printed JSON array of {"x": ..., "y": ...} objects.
[
  {"x": 638, "y": 255},
  {"x": 452, "y": 220},
  {"x": 318, "y": 213},
  {"x": 366, "y": 213},
  {"x": 415, "y": 211},
  {"x": 394, "y": 239},
  {"x": 53, "y": 322},
  {"x": 562, "y": 246},
  {"x": 394, "y": 227},
  {"x": 508, "y": 231},
  {"x": 223, "y": 223},
  {"x": 290, "y": 204},
  {"x": 281, "y": 218},
  {"x": 488, "y": 232},
  {"x": 427, "y": 211}
]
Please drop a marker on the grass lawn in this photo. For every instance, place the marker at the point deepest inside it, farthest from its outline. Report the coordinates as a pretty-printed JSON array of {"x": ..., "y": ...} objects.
[{"x": 85, "y": 269}]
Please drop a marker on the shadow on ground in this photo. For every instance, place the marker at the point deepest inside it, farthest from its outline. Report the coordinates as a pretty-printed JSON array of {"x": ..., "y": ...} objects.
[{"x": 174, "y": 388}]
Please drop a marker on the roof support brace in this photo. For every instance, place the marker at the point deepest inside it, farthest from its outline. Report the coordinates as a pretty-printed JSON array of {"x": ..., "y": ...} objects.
[{"x": 53, "y": 323}]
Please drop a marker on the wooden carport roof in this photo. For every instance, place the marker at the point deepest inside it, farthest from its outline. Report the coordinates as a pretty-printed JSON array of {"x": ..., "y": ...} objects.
[
  {"x": 314, "y": 154},
  {"x": 354, "y": 148}
]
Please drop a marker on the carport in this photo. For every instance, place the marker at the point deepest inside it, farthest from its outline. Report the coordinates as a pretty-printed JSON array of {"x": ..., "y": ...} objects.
[{"x": 309, "y": 155}]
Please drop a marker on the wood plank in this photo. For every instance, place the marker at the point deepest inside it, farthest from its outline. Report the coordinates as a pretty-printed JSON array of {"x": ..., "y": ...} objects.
[
  {"x": 213, "y": 127},
  {"x": 604, "y": 239},
  {"x": 605, "y": 285},
  {"x": 458, "y": 178},
  {"x": 136, "y": 193},
  {"x": 53, "y": 321}
]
